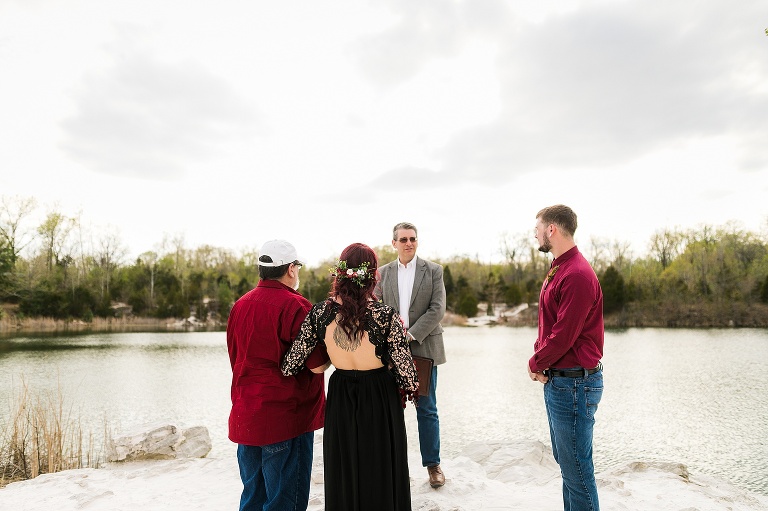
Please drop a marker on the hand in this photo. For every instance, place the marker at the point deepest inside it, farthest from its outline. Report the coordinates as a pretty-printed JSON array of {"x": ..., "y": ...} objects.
[
  {"x": 406, "y": 396},
  {"x": 537, "y": 376}
]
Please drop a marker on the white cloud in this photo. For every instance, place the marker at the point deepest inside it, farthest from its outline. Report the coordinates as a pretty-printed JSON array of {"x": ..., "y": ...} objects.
[
  {"x": 144, "y": 117},
  {"x": 239, "y": 122}
]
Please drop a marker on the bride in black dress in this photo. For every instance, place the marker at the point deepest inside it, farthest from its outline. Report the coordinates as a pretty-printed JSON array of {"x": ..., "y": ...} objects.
[{"x": 365, "y": 450}]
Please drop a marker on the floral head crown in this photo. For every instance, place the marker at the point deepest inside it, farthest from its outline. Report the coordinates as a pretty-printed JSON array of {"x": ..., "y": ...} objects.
[{"x": 357, "y": 275}]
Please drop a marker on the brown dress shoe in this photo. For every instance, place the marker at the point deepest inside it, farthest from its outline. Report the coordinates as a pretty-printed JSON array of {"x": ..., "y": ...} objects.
[{"x": 436, "y": 477}]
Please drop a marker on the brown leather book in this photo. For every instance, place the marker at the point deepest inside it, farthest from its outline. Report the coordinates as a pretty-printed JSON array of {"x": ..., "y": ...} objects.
[{"x": 424, "y": 370}]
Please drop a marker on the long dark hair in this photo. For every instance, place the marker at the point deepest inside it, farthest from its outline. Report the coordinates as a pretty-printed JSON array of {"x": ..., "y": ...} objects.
[{"x": 354, "y": 297}]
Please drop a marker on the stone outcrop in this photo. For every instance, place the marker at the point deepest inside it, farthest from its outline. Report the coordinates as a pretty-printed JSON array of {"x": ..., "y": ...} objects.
[{"x": 160, "y": 441}]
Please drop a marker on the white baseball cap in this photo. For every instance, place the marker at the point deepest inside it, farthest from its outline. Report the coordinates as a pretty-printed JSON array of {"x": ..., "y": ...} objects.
[{"x": 280, "y": 252}]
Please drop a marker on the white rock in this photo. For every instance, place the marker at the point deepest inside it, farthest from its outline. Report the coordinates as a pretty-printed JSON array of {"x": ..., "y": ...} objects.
[{"x": 160, "y": 441}]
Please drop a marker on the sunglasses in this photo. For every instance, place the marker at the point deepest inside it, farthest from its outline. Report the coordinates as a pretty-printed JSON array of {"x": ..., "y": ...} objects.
[{"x": 412, "y": 239}]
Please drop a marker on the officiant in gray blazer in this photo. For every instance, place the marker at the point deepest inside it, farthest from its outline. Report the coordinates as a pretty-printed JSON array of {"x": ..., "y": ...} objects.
[{"x": 414, "y": 287}]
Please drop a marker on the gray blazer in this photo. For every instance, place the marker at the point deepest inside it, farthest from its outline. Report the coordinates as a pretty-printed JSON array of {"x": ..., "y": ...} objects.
[{"x": 427, "y": 305}]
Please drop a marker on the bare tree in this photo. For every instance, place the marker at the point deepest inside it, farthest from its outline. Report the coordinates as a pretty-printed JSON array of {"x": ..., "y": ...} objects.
[
  {"x": 54, "y": 232},
  {"x": 666, "y": 245},
  {"x": 180, "y": 266},
  {"x": 13, "y": 213},
  {"x": 150, "y": 259},
  {"x": 517, "y": 250},
  {"x": 205, "y": 257},
  {"x": 109, "y": 255},
  {"x": 598, "y": 253},
  {"x": 620, "y": 254},
  {"x": 80, "y": 250}
]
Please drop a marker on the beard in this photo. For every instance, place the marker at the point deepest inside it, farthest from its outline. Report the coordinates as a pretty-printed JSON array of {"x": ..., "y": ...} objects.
[
  {"x": 296, "y": 286},
  {"x": 546, "y": 246}
]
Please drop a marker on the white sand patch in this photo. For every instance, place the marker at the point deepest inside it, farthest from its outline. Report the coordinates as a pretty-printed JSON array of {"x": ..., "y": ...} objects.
[{"x": 490, "y": 476}]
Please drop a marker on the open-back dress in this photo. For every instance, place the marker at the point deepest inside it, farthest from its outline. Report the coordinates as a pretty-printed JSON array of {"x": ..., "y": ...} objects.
[{"x": 365, "y": 449}]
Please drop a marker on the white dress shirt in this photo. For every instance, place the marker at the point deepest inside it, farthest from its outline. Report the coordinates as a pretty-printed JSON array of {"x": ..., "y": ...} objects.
[{"x": 406, "y": 274}]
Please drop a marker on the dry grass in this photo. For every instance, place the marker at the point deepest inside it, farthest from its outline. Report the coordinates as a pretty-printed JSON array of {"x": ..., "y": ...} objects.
[
  {"x": 43, "y": 436},
  {"x": 10, "y": 324}
]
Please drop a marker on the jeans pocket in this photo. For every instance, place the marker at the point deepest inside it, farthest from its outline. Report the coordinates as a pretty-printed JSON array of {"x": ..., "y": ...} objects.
[
  {"x": 593, "y": 395},
  {"x": 277, "y": 447},
  {"x": 561, "y": 383}
]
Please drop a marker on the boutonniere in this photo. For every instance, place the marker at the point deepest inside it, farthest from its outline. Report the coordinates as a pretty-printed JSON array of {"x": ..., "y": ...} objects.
[{"x": 551, "y": 275}]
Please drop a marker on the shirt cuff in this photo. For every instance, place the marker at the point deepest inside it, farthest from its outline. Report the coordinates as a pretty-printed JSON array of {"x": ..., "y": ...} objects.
[{"x": 318, "y": 357}]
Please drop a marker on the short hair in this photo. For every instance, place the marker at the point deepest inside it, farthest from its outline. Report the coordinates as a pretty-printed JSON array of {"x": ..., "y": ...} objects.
[
  {"x": 272, "y": 272},
  {"x": 562, "y": 216},
  {"x": 406, "y": 226}
]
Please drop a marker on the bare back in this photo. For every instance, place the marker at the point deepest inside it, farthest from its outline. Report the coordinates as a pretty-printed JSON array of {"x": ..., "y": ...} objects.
[{"x": 350, "y": 353}]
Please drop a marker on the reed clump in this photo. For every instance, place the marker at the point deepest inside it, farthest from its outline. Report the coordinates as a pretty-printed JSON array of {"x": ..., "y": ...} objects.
[
  {"x": 41, "y": 435},
  {"x": 14, "y": 323}
]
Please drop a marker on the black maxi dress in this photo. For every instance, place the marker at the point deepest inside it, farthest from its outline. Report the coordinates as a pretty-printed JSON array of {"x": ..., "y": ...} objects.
[{"x": 365, "y": 450}]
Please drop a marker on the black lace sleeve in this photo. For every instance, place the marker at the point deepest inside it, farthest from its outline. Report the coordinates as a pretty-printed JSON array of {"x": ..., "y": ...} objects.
[
  {"x": 400, "y": 355},
  {"x": 386, "y": 332},
  {"x": 312, "y": 331}
]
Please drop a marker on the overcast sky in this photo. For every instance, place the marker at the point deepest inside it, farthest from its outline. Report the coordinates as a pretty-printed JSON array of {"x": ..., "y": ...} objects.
[{"x": 327, "y": 122}]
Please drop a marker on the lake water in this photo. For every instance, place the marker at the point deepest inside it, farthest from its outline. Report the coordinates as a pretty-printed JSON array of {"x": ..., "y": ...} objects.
[{"x": 697, "y": 397}]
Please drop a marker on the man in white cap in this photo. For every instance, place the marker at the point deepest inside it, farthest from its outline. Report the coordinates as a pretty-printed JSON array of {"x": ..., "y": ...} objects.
[{"x": 273, "y": 417}]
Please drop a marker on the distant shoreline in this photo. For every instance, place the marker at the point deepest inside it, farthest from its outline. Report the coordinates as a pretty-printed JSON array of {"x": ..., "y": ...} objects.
[
  {"x": 724, "y": 315},
  {"x": 11, "y": 327},
  {"x": 697, "y": 315}
]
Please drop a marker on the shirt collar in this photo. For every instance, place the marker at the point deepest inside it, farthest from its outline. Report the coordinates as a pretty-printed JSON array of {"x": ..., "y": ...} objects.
[
  {"x": 410, "y": 265},
  {"x": 571, "y": 252},
  {"x": 275, "y": 284}
]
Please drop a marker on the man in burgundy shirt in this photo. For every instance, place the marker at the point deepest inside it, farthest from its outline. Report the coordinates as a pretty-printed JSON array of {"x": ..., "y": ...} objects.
[
  {"x": 567, "y": 354},
  {"x": 273, "y": 417}
]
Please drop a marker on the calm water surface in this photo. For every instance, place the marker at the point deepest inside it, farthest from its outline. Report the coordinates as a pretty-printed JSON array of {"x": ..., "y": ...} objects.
[{"x": 697, "y": 397}]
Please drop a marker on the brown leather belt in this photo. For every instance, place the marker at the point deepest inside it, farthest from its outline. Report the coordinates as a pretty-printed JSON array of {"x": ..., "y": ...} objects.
[{"x": 573, "y": 373}]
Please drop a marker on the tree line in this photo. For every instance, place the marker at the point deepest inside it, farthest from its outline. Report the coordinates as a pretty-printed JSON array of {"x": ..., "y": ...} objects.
[{"x": 55, "y": 269}]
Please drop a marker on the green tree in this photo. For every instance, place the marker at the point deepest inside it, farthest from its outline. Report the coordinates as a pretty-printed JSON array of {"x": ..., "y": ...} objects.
[
  {"x": 384, "y": 253},
  {"x": 467, "y": 301},
  {"x": 467, "y": 304},
  {"x": 494, "y": 290},
  {"x": 42, "y": 302},
  {"x": 614, "y": 296},
  {"x": 513, "y": 295},
  {"x": 315, "y": 284},
  {"x": 225, "y": 298},
  {"x": 82, "y": 304},
  {"x": 717, "y": 265},
  {"x": 451, "y": 295},
  {"x": 133, "y": 286},
  {"x": 6, "y": 267}
]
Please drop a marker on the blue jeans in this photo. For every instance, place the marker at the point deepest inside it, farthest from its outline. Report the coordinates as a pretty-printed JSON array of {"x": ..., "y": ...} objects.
[
  {"x": 429, "y": 425},
  {"x": 276, "y": 476},
  {"x": 571, "y": 406}
]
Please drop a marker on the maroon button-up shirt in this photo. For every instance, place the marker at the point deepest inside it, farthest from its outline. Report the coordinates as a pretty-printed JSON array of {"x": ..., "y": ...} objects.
[
  {"x": 571, "y": 328},
  {"x": 268, "y": 407}
]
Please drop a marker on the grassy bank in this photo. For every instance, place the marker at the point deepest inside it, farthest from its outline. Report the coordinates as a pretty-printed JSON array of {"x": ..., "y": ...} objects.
[
  {"x": 43, "y": 435},
  {"x": 11, "y": 325},
  {"x": 661, "y": 315},
  {"x": 672, "y": 315}
]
